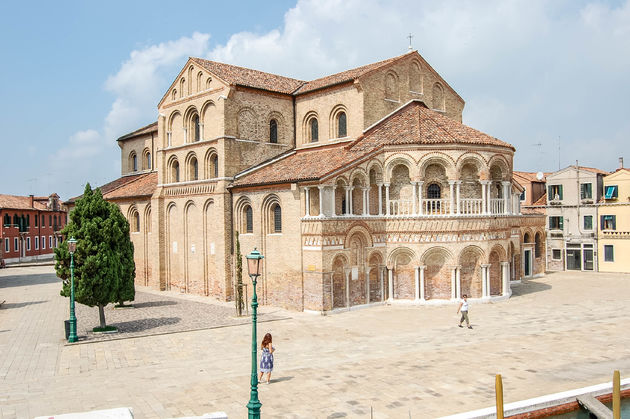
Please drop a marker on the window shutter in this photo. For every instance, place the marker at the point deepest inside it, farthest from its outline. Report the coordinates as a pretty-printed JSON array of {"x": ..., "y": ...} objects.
[
  {"x": 561, "y": 222},
  {"x": 614, "y": 222},
  {"x": 560, "y": 191},
  {"x": 549, "y": 194}
]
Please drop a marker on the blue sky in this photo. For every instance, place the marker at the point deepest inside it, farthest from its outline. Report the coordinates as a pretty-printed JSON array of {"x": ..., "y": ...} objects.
[{"x": 77, "y": 75}]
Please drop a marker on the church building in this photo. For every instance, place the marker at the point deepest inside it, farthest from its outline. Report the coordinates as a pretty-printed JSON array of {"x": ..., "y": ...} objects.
[{"x": 359, "y": 188}]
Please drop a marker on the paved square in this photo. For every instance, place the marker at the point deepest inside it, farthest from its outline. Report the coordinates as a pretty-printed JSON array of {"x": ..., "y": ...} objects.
[{"x": 560, "y": 332}]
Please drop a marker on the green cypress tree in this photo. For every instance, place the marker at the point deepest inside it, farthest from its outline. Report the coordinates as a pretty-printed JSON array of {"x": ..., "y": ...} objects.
[{"x": 104, "y": 268}]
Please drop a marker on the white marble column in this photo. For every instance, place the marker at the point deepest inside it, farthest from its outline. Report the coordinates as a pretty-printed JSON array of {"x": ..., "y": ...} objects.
[
  {"x": 458, "y": 281},
  {"x": 367, "y": 271},
  {"x": 390, "y": 283},
  {"x": 452, "y": 196},
  {"x": 351, "y": 206},
  {"x": 386, "y": 198},
  {"x": 415, "y": 198},
  {"x": 347, "y": 189},
  {"x": 380, "y": 198},
  {"x": 333, "y": 201},
  {"x": 453, "y": 283},
  {"x": 321, "y": 200},
  {"x": 422, "y": 268},
  {"x": 505, "y": 276},
  {"x": 420, "y": 203},
  {"x": 506, "y": 197},
  {"x": 416, "y": 272},
  {"x": 458, "y": 184},
  {"x": 485, "y": 279},
  {"x": 365, "y": 201},
  {"x": 380, "y": 278},
  {"x": 307, "y": 195},
  {"x": 484, "y": 198}
]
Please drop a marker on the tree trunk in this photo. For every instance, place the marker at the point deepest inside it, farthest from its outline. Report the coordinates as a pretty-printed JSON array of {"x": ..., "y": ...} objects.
[{"x": 101, "y": 315}]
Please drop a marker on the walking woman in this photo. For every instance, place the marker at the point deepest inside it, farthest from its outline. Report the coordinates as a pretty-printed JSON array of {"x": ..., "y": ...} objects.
[{"x": 266, "y": 359}]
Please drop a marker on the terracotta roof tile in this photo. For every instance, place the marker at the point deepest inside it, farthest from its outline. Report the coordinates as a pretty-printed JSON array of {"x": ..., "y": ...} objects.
[
  {"x": 528, "y": 176},
  {"x": 542, "y": 201},
  {"x": 595, "y": 170},
  {"x": 143, "y": 185},
  {"x": 411, "y": 124},
  {"x": 20, "y": 202},
  {"x": 251, "y": 78},
  {"x": 141, "y": 131},
  {"x": 115, "y": 184}
]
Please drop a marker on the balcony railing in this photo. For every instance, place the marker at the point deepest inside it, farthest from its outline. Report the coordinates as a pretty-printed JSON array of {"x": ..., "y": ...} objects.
[
  {"x": 467, "y": 206},
  {"x": 436, "y": 206},
  {"x": 497, "y": 206},
  {"x": 471, "y": 206},
  {"x": 401, "y": 207}
]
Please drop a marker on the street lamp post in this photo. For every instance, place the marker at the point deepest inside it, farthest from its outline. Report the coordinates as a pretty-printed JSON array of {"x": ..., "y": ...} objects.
[
  {"x": 254, "y": 268},
  {"x": 72, "y": 247}
]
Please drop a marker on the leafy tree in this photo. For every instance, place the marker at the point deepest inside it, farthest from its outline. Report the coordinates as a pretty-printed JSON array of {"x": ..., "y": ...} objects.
[{"x": 104, "y": 268}]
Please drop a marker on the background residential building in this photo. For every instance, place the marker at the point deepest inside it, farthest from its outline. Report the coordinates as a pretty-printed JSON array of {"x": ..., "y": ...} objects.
[
  {"x": 614, "y": 222},
  {"x": 571, "y": 209},
  {"x": 30, "y": 227}
]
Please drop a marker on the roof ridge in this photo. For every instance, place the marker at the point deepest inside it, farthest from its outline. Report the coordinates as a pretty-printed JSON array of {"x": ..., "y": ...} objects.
[
  {"x": 246, "y": 68},
  {"x": 136, "y": 178}
]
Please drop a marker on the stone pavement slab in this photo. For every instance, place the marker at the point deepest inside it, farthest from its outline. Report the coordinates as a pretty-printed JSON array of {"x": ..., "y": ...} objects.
[{"x": 564, "y": 331}]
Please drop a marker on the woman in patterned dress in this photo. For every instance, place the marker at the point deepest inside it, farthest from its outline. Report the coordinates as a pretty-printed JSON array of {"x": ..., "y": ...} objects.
[{"x": 266, "y": 359}]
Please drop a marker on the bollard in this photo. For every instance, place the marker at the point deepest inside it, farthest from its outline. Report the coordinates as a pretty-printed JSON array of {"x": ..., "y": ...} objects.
[
  {"x": 616, "y": 402},
  {"x": 499, "y": 392}
]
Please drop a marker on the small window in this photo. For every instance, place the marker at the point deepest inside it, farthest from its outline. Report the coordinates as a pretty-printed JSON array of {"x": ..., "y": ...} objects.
[
  {"x": 36, "y": 242},
  {"x": 43, "y": 242},
  {"x": 249, "y": 220},
  {"x": 433, "y": 191},
  {"x": 215, "y": 165},
  {"x": 556, "y": 254},
  {"x": 537, "y": 245},
  {"x": 522, "y": 198},
  {"x": 314, "y": 130},
  {"x": 273, "y": 131},
  {"x": 609, "y": 253},
  {"x": 136, "y": 222},
  {"x": 50, "y": 224},
  {"x": 6, "y": 245},
  {"x": 555, "y": 192},
  {"x": 7, "y": 220},
  {"x": 611, "y": 192},
  {"x": 15, "y": 244},
  {"x": 586, "y": 191},
  {"x": 609, "y": 222},
  {"x": 43, "y": 221},
  {"x": 148, "y": 160},
  {"x": 35, "y": 218},
  {"x": 556, "y": 223},
  {"x": 196, "y": 127},
  {"x": 588, "y": 222},
  {"x": 277, "y": 219},
  {"x": 341, "y": 125},
  {"x": 28, "y": 243},
  {"x": 134, "y": 163},
  {"x": 195, "y": 170},
  {"x": 50, "y": 246}
]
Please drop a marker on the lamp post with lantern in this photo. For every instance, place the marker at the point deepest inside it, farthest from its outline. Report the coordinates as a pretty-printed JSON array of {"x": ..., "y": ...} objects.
[
  {"x": 254, "y": 268},
  {"x": 72, "y": 247}
]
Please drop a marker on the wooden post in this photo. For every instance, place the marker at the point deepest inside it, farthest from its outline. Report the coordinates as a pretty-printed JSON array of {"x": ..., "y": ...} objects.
[
  {"x": 616, "y": 402},
  {"x": 499, "y": 393}
]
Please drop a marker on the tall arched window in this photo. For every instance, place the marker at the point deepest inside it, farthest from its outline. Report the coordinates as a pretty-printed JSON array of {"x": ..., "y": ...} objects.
[
  {"x": 196, "y": 127},
  {"x": 341, "y": 125},
  {"x": 174, "y": 171},
  {"x": 273, "y": 131},
  {"x": 277, "y": 219},
  {"x": 215, "y": 165},
  {"x": 434, "y": 191},
  {"x": 194, "y": 169},
  {"x": 133, "y": 161},
  {"x": 249, "y": 219},
  {"x": 148, "y": 159},
  {"x": 537, "y": 245},
  {"x": 314, "y": 130}
]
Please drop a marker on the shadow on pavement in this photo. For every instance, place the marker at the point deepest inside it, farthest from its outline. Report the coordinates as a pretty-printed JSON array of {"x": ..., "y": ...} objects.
[
  {"x": 27, "y": 279},
  {"x": 280, "y": 379},
  {"x": 154, "y": 304},
  {"x": 144, "y": 324},
  {"x": 529, "y": 287},
  {"x": 5, "y": 306}
]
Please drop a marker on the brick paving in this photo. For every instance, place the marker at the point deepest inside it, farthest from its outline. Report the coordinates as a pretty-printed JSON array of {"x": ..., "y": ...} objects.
[{"x": 561, "y": 332}]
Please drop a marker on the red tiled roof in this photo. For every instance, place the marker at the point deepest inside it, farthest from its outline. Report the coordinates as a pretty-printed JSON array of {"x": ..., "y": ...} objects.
[
  {"x": 529, "y": 176},
  {"x": 594, "y": 170},
  {"x": 118, "y": 183},
  {"x": 541, "y": 201},
  {"x": 251, "y": 78},
  {"x": 411, "y": 124},
  {"x": 143, "y": 185},
  {"x": 20, "y": 202},
  {"x": 141, "y": 131}
]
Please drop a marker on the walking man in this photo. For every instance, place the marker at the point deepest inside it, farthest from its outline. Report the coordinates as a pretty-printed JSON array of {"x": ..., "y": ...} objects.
[{"x": 463, "y": 307}]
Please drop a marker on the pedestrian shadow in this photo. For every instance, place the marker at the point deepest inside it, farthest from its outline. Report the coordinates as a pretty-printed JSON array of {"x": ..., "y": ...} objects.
[
  {"x": 6, "y": 306},
  {"x": 148, "y": 304},
  {"x": 142, "y": 325},
  {"x": 529, "y": 287},
  {"x": 280, "y": 379}
]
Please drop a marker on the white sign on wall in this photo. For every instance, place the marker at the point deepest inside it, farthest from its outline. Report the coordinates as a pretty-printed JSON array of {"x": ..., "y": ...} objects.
[
  {"x": 192, "y": 248},
  {"x": 174, "y": 247},
  {"x": 212, "y": 248}
]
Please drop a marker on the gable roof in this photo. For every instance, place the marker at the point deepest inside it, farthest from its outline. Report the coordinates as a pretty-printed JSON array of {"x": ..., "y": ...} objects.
[
  {"x": 21, "y": 202},
  {"x": 413, "y": 123},
  {"x": 147, "y": 129},
  {"x": 528, "y": 177},
  {"x": 140, "y": 188},
  {"x": 573, "y": 167},
  {"x": 250, "y": 78}
]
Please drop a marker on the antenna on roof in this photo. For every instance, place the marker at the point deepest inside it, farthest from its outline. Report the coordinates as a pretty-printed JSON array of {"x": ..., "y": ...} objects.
[{"x": 410, "y": 36}]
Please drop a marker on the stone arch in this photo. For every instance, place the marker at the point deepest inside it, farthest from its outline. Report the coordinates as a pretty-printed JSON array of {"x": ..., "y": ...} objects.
[
  {"x": 208, "y": 112},
  {"x": 200, "y": 86},
  {"x": 133, "y": 161},
  {"x": 396, "y": 160},
  {"x": 268, "y": 206},
  {"x": 538, "y": 244},
  {"x": 173, "y": 277},
  {"x": 528, "y": 235},
  {"x": 240, "y": 214},
  {"x": 497, "y": 255},
  {"x": 339, "y": 269},
  {"x": 211, "y": 164},
  {"x": 375, "y": 276},
  {"x": 340, "y": 195},
  {"x": 338, "y": 123},
  {"x": 147, "y": 159},
  {"x": 134, "y": 219},
  {"x": 192, "y": 166},
  {"x": 438, "y": 158},
  {"x": 192, "y": 249},
  {"x": 359, "y": 181},
  {"x": 175, "y": 133},
  {"x": 415, "y": 77},
  {"x": 182, "y": 87},
  {"x": 437, "y": 276},
  {"x": 471, "y": 157},
  {"x": 147, "y": 219},
  {"x": 392, "y": 89},
  {"x": 280, "y": 126},
  {"x": 211, "y": 283},
  {"x": 174, "y": 174},
  {"x": 438, "y": 97},
  {"x": 310, "y": 128},
  {"x": 470, "y": 260},
  {"x": 470, "y": 172},
  {"x": 499, "y": 168},
  {"x": 191, "y": 70},
  {"x": 247, "y": 124},
  {"x": 356, "y": 243},
  {"x": 375, "y": 177},
  {"x": 361, "y": 229},
  {"x": 403, "y": 262},
  {"x": 359, "y": 174}
]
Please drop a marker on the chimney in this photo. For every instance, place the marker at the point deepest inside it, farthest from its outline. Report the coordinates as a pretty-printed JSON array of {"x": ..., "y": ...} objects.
[
  {"x": 32, "y": 205},
  {"x": 621, "y": 162}
]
